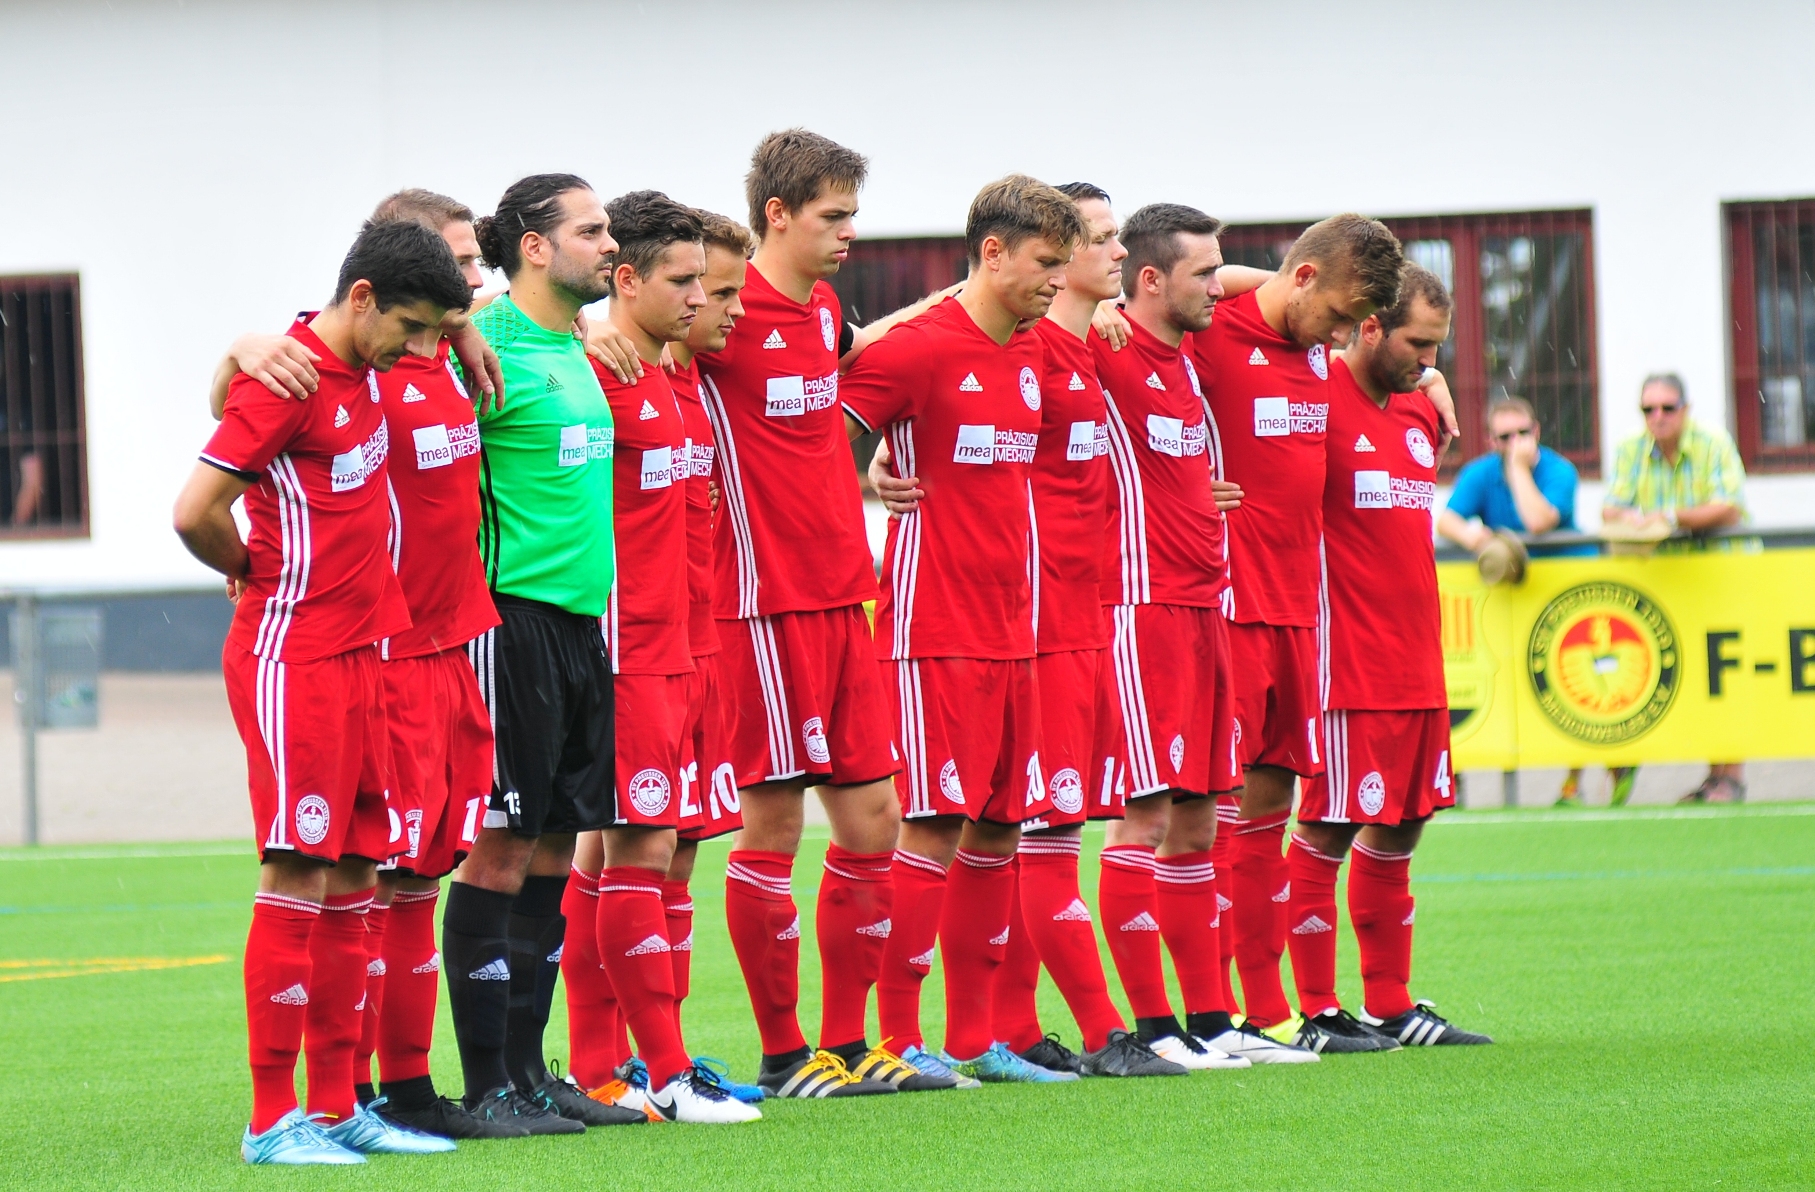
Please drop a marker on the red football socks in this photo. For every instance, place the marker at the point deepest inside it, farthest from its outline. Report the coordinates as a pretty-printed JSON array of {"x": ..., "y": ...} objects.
[
  {"x": 765, "y": 933},
  {"x": 1014, "y": 1008},
  {"x": 592, "y": 1007},
  {"x": 973, "y": 932},
  {"x": 277, "y": 1000},
  {"x": 1258, "y": 919},
  {"x": 633, "y": 943},
  {"x": 377, "y": 919},
  {"x": 337, "y": 989},
  {"x": 855, "y": 900},
  {"x": 1381, "y": 909},
  {"x": 907, "y": 957},
  {"x": 412, "y": 981},
  {"x": 677, "y": 912},
  {"x": 1128, "y": 902},
  {"x": 1311, "y": 913},
  {"x": 1059, "y": 927},
  {"x": 1185, "y": 904},
  {"x": 1222, "y": 855}
]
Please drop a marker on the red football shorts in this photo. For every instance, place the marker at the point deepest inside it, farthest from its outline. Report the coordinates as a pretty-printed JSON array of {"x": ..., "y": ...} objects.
[
  {"x": 709, "y": 802},
  {"x": 651, "y": 717},
  {"x": 1383, "y": 768},
  {"x": 1080, "y": 737},
  {"x": 970, "y": 739},
  {"x": 1276, "y": 702},
  {"x": 804, "y": 699},
  {"x": 441, "y": 748},
  {"x": 1175, "y": 706},
  {"x": 317, "y": 753}
]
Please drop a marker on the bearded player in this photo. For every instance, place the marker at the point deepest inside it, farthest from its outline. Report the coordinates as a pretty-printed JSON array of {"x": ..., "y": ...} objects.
[{"x": 1380, "y": 667}]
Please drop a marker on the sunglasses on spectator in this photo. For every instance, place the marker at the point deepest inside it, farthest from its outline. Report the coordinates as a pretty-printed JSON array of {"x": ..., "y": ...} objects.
[
  {"x": 1510, "y": 435},
  {"x": 1669, "y": 407}
]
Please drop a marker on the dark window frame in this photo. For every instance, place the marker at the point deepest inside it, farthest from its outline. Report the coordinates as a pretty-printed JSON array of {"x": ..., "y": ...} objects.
[
  {"x": 42, "y": 381},
  {"x": 1741, "y": 221}
]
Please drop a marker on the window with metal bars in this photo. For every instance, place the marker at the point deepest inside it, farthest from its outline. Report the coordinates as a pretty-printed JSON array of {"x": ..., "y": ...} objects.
[
  {"x": 1771, "y": 271},
  {"x": 1523, "y": 284},
  {"x": 43, "y": 429}
]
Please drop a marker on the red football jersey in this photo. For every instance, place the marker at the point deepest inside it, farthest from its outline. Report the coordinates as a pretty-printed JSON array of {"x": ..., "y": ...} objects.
[
  {"x": 1380, "y": 645},
  {"x": 1071, "y": 496},
  {"x": 320, "y": 580},
  {"x": 1269, "y": 402},
  {"x": 702, "y": 629},
  {"x": 645, "y": 620},
  {"x": 1164, "y": 543},
  {"x": 962, "y": 413},
  {"x": 434, "y": 506},
  {"x": 792, "y": 537}
]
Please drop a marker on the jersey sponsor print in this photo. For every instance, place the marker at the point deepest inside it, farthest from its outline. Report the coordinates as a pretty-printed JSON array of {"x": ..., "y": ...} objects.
[
  {"x": 791, "y": 536},
  {"x": 962, "y": 413},
  {"x": 1070, "y": 495},
  {"x": 319, "y": 582},
  {"x": 1379, "y": 639},
  {"x": 1269, "y": 406}
]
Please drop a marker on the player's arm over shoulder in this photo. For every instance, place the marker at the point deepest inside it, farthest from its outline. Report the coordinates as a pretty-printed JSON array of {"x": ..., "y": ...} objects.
[{"x": 888, "y": 382}]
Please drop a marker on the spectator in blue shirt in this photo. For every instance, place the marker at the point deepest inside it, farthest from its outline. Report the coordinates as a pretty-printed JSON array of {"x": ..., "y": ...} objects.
[{"x": 1523, "y": 486}]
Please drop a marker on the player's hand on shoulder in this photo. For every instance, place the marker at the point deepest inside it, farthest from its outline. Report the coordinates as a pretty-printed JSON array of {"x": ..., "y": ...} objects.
[
  {"x": 1110, "y": 323},
  {"x": 281, "y": 363},
  {"x": 613, "y": 349},
  {"x": 484, "y": 375},
  {"x": 899, "y": 494},
  {"x": 1434, "y": 387},
  {"x": 1227, "y": 493}
]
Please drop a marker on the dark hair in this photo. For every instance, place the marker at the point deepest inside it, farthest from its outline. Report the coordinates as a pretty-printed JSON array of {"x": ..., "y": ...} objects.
[
  {"x": 1354, "y": 249},
  {"x": 403, "y": 262},
  {"x": 1079, "y": 192},
  {"x": 1151, "y": 237},
  {"x": 1416, "y": 282},
  {"x": 532, "y": 204},
  {"x": 1018, "y": 208},
  {"x": 721, "y": 231},
  {"x": 433, "y": 211},
  {"x": 793, "y": 166},
  {"x": 645, "y": 223},
  {"x": 1666, "y": 378}
]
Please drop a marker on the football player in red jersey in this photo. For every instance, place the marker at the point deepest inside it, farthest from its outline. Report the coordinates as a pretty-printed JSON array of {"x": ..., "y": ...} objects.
[
  {"x": 805, "y": 700},
  {"x": 1380, "y": 668},
  {"x": 958, "y": 392},
  {"x": 304, "y": 679}
]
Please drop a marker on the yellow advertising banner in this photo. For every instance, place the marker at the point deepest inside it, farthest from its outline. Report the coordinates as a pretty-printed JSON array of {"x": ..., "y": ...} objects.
[{"x": 1618, "y": 660}]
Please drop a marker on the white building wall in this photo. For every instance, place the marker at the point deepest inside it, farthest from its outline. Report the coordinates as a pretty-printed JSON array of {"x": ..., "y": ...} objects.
[{"x": 203, "y": 166}]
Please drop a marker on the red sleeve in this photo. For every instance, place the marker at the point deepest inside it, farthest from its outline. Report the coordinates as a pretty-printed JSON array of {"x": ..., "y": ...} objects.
[
  {"x": 256, "y": 427},
  {"x": 888, "y": 382}
]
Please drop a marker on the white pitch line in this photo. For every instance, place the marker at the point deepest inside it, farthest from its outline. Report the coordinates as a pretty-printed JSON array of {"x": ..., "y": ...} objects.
[{"x": 1610, "y": 815}]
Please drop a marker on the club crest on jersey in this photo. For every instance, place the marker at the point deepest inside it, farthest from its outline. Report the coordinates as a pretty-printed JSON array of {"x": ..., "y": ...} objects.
[
  {"x": 1067, "y": 791},
  {"x": 828, "y": 331},
  {"x": 1030, "y": 388},
  {"x": 1176, "y": 752},
  {"x": 649, "y": 791},
  {"x": 1362, "y": 444},
  {"x": 970, "y": 384},
  {"x": 312, "y": 819},
  {"x": 341, "y": 417},
  {"x": 1257, "y": 357},
  {"x": 1420, "y": 447},
  {"x": 1076, "y": 385},
  {"x": 1371, "y": 793},
  {"x": 413, "y": 394},
  {"x": 1319, "y": 360},
  {"x": 948, "y": 782},
  {"x": 813, "y": 735},
  {"x": 775, "y": 340}
]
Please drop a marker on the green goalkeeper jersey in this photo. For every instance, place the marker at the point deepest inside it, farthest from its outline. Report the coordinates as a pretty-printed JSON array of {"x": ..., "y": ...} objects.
[{"x": 545, "y": 529}]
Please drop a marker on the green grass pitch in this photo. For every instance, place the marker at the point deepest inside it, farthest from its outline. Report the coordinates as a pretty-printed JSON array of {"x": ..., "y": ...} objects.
[{"x": 1647, "y": 975}]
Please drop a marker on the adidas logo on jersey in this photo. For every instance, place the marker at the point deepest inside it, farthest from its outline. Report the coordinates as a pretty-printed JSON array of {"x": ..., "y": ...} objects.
[
  {"x": 433, "y": 965},
  {"x": 553, "y": 385},
  {"x": 685, "y": 945},
  {"x": 497, "y": 970},
  {"x": 1285, "y": 893},
  {"x": 1409, "y": 916},
  {"x": 1154, "y": 382},
  {"x": 412, "y": 394},
  {"x": 1362, "y": 444},
  {"x": 296, "y": 995},
  {"x": 375, "y": 969},
  {"x": 970, "y": 384},
  {"x": 1077, "y": 912},
  {"x": 775, "y": 340},
  {"x": 1141, "y": 922},
  {"x": 340, "y": 417},
  {"x": 792, "y": 932},
  {"x": 1257, "y": 357},
  {"x": 652, "y": 945},
  {"x": 1076, "y": 384},
  {"x": 879, "y": 931},
  {"x": 362, "y": 1004},
  {"x": 1312, "y": 926},
  {"x": 1223, "y": 904},
  {"x": 647, "y": 412},
  {"x": 998, "y": 941},
  {"x": 555, "y": 956},
  {"x": 924, "y": 960}
]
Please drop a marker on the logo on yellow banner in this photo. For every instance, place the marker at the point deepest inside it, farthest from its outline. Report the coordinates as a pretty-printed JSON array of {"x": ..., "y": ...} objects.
[{"x": 1604, "y": 662}]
